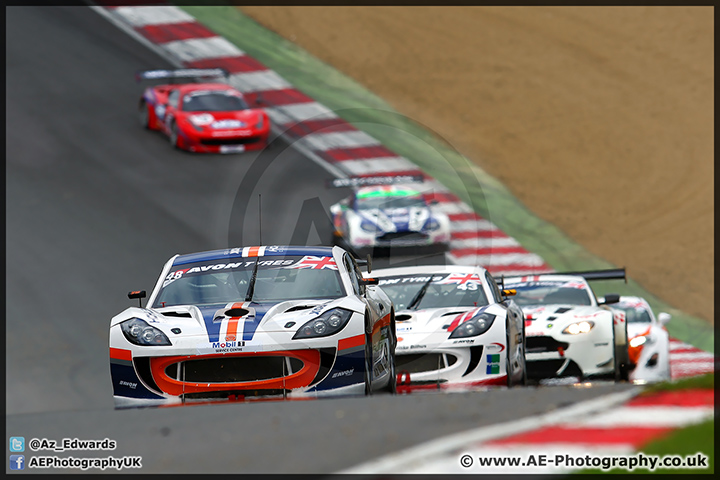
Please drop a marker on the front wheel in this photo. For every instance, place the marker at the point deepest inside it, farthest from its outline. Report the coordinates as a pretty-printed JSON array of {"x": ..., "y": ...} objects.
[
  {"x": 622, "y": 370},
  {"x": 508, "y": 364},
  {"x": 621, "y": 359},
  {"x": 144, "y": 115},
  {"x": 368, "y": 360},
  {"x": 524, "y": 380},
  {"x": 392, "y": 341},
  {"x": 174, "y": 136}
]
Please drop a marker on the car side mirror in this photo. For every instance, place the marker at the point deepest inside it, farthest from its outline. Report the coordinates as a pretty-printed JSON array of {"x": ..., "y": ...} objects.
[
  {"x": 369, "y": 281},
  {"x": 610, "y": 298},
  {"x": 139, "y": 294},
  {"x": 509, "y": 292},
  {"x": 664, "y": 318}
]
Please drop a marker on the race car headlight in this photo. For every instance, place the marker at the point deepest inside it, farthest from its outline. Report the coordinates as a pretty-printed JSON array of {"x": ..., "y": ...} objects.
[
  {"x": 474, "y": 327},
  {"x": 432, "y": 224},
  {"x": 138, "y": 332},
  {"x": 325, "y": 325},
  {"x": 641, "y": 340},
  {"x": 201, "y": 120},
  {"x": 579, "y": 327},
  {"x": 368, "y": 227}
]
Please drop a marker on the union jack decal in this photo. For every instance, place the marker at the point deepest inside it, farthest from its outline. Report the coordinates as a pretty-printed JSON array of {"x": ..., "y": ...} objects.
[
  {"x": 461, "y": 278},
  {"x": 315, "y": 263}
]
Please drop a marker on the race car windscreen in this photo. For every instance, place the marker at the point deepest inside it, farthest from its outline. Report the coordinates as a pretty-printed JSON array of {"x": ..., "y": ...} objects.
[
  {"x": 445, "y": 290},
  {"x": 550, "y": 293},
  {"x": 213, "y": 102},
  {"x": 278, "y": 278},
  {"x": 633, "y": 313},
  {"x": 372, "y": 201}
]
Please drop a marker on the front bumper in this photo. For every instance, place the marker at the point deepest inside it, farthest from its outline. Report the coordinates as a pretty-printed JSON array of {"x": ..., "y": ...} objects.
[
  {"x": 419, "y": 360},
  {"x": 239, "y": 142},
  {"x": 172, "y": 379},
  {"x": 577, "y": 355}
]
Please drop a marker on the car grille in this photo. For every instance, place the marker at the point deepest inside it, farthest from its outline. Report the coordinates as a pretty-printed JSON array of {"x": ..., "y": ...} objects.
[
  {"x": 402, "y": 237},
  {"x": 229, "y": 141},
  {"x": 237, "y": 369},
  {"x": 423, "y": 362},
  {"x": 237, "y": 372},
  {"x": 548, "y": 368},
  {"x": 543, "y": 344}
]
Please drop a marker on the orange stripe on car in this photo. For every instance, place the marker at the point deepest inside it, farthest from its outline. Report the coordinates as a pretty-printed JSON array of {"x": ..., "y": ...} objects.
[
  {"x": 231, "y": 333},
  {"x": 120, "y": 354},
  {"x": 351, "y": 342}
]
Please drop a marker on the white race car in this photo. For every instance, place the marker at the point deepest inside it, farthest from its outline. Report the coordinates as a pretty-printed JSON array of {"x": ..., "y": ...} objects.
[
  {"x": 388, "y": 216},
  {"x": 254, "y": 321},
  {"x": 569, "y": 334},
  {"x": 455, "y": 327},
  {"x": 648, "y": 339}
]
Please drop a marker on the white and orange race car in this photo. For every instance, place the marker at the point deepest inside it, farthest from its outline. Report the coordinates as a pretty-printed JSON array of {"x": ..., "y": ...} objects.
[
  {"x": 569, "y": 333},
  {"x": 254, "y": 322},
  {"x": 455, "y": 328},
  {"x": 648, "y": 340}
]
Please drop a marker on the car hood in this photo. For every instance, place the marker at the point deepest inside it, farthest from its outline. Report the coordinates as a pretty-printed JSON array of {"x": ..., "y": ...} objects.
[
  {"x": 397, "y": 219},
  {"x": 207, "y": 320},
  {"x": 540, "y": 319},
  {"x": 224, "y": 120},
  {"x": 431, "y": 320}
]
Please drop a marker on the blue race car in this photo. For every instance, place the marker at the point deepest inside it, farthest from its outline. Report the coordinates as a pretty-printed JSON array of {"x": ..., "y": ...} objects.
[{"x": 396, "y": 215}]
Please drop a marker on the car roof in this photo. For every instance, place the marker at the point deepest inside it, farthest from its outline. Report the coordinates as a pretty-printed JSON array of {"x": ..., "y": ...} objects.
[
  {"x": 256, "y": 251},
  {"x": 426, "y": 269}
]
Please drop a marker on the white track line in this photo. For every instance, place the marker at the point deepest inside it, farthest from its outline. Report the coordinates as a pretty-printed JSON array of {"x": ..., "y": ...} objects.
[
  {"x": 405, "y": 460},
  {"x": 386, "y": 165},
  {"x": 201, "y": 49},
  {"x": 329, "y": 141},
  {"x": 153, "y": 15},
  {"x": 660, "y": 416},
  {"x": 262, "y": 80}
]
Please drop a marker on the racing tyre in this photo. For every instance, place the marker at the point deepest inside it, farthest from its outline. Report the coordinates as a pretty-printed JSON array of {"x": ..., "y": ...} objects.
[
  {"x": 368, "y": 360},
  {"x": 174, "y": 136},
  {"x": 392, "y": 381},
  {"x": 524, "y": 380},
  {"x": 144, "y": 115},
  {"x": 508, "y": 364},
  {"x": 622, "y": 361}
]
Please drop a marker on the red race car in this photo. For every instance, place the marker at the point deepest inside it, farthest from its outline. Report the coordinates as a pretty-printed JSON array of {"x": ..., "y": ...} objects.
[{"x": 202, "y": 117}]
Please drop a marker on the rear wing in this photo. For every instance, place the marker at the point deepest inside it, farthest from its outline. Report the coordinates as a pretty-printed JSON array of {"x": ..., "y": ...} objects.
[
  {"x": 608, "y": 274},
  {"x": 173, "y": 74},
  {"x": 370, "y": 181}
]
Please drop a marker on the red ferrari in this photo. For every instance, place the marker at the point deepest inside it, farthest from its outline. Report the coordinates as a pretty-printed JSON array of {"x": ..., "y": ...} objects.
[{"x": 202, "y": 117}]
